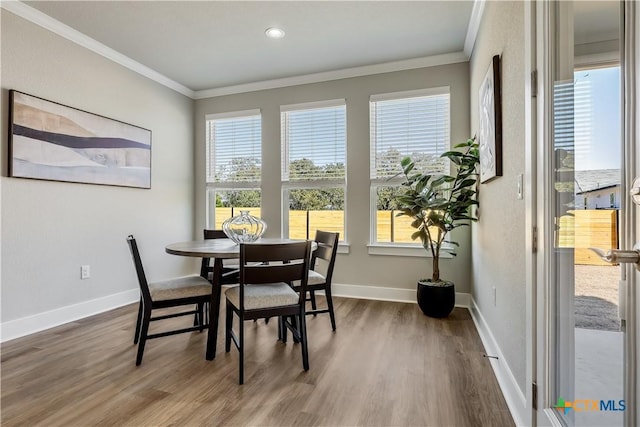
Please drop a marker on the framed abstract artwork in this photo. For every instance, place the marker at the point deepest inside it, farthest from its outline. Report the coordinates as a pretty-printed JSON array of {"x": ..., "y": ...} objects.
[
  {"x": 490, "y": 122},
  {"x": 55, "y": 142}
]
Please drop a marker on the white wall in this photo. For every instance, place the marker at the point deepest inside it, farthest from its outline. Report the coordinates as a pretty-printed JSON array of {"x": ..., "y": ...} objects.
[
  {"x": 599, "y": 199},
  {"x": 357, "y": 267},
  {"x": 51, "y": 228},
  {"x": 498, "y": 256}
]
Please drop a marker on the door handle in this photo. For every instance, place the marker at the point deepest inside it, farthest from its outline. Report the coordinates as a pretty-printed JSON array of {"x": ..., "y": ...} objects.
[
  {"x": 617, "y": 256},
  {"x": 635, "y": 191}
]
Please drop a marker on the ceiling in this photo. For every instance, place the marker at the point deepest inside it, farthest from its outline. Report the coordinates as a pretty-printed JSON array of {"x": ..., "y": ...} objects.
[
  {"x": 596, "y": 21},
  {"x": 205, "y": 45}
]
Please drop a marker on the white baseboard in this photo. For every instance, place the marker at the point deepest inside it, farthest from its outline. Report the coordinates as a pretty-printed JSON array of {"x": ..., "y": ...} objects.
[
  {"x": 516, "y": 400},
  {"x": 383, "y": 293},
  {"x": 38, "y": 322}
]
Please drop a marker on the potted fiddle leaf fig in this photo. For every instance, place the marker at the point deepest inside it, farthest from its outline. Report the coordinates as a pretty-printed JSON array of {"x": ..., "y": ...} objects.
[{"x": 437, "y": 205}]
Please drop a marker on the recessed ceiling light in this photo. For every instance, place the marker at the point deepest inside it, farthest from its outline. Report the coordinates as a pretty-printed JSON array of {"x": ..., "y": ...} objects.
[{"x": 274, "y": 33}]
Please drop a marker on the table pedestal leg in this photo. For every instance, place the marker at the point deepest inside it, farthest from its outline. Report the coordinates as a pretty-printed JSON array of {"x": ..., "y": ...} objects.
[{"x": 214, "y": 310}]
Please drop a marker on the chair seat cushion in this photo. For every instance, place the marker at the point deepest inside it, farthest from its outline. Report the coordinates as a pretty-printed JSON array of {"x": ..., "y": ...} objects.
[
  {"x": 315, "y": 278},
  {"x": 263, "y": 296},
  {"x": 231, "y": 263},
  {"x": 179, "y": 287}
]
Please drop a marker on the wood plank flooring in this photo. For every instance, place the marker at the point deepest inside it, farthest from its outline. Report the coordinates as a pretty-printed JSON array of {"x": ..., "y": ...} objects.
[{"x": 386, "y": 365}]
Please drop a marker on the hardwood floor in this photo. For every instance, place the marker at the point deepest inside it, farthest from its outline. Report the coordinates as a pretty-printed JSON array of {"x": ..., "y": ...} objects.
[{"x": 386, "y": 365}]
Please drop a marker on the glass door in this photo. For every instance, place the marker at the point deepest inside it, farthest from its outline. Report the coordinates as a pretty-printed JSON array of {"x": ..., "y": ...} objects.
[{"x": 585, "y": 333}]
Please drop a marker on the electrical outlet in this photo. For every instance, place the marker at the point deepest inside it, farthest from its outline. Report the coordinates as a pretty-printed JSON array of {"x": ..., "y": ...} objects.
[
  {"x": 85, "y": 272},
  {"x": 495, "y": 295}
]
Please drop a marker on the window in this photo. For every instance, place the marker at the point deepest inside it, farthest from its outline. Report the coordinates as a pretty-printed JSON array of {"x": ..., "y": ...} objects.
[
  {"x": 234, "y": 160},
  {"x": 313, "y": 168},
  {"x": 415, "y": 124}
]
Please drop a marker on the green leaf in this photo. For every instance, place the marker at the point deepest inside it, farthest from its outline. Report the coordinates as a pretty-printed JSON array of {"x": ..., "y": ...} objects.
[
  {"x": 466, "y": 144},
  {"x": 441, "y": 180},
  {"x": 422, "y": 182},
  {"x": 454, "y": 157},
  {"x": 407, "y": 165},
  {"x": 466, "y": 183}
]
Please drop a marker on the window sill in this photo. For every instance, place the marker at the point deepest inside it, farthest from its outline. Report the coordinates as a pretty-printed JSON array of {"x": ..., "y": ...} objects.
[
  {"x": 344, "y": 247},
  {"x": 399, "y": 249}
]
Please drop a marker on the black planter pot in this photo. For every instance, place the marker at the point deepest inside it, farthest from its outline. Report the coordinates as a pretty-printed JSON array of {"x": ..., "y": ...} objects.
[{"x": 436, "y": 300}]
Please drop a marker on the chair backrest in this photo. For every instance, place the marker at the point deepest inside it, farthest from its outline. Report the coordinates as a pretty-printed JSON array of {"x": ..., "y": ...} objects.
[
  {"x": 209, "y": 234},
  {"x": 273, "y": 263},
  {"x": 213, "y": 234},
  {"x": 327, "y": 250},
  {"x": 142, "y": 278}
]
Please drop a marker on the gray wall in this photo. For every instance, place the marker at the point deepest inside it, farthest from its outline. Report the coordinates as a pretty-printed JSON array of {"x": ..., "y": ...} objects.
[
  {"x": 498, "y": 255},
  {"x": 357, "y": 267},
  {"x": 51, "y": 228}
]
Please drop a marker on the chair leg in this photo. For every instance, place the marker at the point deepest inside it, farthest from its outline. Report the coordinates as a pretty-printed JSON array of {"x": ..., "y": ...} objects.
[
  {"x": 228, "y": 328},
  {"x": 313, "y": 301},
  {"x": 241, "y": 351},
  {"x": 138, "y": 321},
  {"x": 279, "y": 328},
  {"x": 283, "y": 328},
  {"x": 303, "y": 338},
  {"x": 296, "y": 324},
  {"x": 327, "y": 293},
  {"x": 203, "y": 321},
  {"x": 200, "y": 316},
  {"x": 196, "y": 320},
  {"x": 143, "y": 334}
]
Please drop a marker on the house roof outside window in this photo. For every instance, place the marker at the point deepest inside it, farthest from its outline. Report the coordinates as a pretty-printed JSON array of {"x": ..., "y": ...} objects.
[{"x": 591, "y": 180}]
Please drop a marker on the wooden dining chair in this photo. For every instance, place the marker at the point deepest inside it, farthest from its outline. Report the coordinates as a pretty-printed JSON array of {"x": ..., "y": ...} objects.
[
  {"x": 175, "y": 292},
  {"x": 230, "y": 269},
  {"x": 266, "y": 272},
  {"x": 326, "y": 252}
]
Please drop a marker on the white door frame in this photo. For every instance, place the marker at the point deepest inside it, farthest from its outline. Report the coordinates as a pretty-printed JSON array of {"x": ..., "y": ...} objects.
[
  {"x": 543, "y": 319},
  {"x": 530, "y": 200},
  {"x": 631, "y": 131}
]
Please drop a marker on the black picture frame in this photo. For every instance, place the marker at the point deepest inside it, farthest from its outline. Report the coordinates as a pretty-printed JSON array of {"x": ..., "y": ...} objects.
[{"x": 490, "y": 123}]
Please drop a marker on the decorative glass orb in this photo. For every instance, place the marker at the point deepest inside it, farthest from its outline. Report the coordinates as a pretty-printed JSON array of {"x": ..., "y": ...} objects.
[{"x": 244, "y": 228}]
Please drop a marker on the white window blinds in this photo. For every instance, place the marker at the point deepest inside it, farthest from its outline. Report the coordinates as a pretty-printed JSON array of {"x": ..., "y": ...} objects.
[
  {"x": 414, "y": 124},
  {"x": 313, "y": 141},
  {"x": 234, "y": 143}
]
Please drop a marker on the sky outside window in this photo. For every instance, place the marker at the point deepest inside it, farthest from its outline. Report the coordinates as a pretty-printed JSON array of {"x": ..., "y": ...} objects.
[{"x": 597, "y": 119}]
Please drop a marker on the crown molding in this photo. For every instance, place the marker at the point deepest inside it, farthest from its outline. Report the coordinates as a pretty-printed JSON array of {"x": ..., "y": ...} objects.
[
  {"x": 387, "y": 67},
  {"x": 45, "y": 21},
  {"x": 474, "y": 26}
]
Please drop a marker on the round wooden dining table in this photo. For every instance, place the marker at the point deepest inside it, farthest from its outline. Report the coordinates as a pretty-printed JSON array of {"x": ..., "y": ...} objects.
[{"x": 218, "y": 250}]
